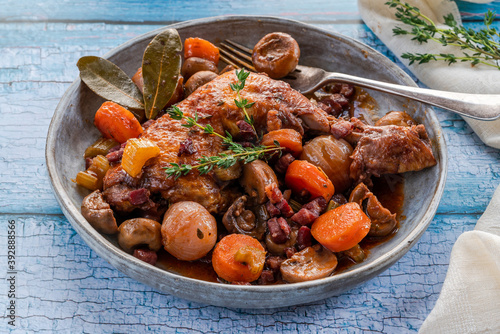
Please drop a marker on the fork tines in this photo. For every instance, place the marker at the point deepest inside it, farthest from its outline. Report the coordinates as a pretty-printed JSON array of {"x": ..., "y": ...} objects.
[{"x": 237, "y": 55}]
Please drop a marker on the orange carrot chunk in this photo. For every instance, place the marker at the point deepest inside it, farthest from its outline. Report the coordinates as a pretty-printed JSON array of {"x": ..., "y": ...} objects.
[
  {"x": 238, "y": 258},
  {"x": 342, "y": 228},
  {"x": 138, "y": 79},
  {"x": 116, "y": 122},
  {"x": 197, "y": 47},
  {"x": 302, "y": 175},
  {"x": 290, "y": 139}
]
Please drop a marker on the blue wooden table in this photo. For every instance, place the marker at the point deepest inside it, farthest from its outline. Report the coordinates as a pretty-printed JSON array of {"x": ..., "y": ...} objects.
[{"x": 61, "y": 285}]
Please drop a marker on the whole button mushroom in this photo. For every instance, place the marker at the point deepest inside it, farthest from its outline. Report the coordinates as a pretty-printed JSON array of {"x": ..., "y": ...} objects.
[
  {"x": 188, "y": 231},
  {"x": 256, "y": 176},
  {"x": 98, "y": 213},
  {"x": 139, "y": 232},
  {"x": 197, "y": 80},
  {"x": 276, "y": 54},
  {"x": 193, "y": 65}
]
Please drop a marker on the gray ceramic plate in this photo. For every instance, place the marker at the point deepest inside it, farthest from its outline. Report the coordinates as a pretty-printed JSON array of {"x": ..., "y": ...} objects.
[{"x": 72, "y": 130}]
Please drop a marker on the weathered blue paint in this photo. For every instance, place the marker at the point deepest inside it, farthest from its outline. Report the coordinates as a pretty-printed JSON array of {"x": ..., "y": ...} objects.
[
  {"x": 173, "y": 10},
  {"x": 475, "y": 12},
  {"x": 63, "y": 286}
]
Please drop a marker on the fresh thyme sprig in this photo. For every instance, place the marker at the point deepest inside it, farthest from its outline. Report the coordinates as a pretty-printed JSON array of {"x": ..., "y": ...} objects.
[
  {"x": 478, "y": 47},
  {"x": 222, "y": 160},
  {"x": 176, "y": 113},
  {"x": 241, "y": 103}
]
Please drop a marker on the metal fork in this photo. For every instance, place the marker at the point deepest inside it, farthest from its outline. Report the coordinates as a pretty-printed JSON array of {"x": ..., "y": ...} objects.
[{"x": 307, "y": 79}]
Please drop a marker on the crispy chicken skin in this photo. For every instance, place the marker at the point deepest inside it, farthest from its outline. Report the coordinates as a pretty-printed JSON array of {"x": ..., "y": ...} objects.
[{"x": 214, "y": 104}]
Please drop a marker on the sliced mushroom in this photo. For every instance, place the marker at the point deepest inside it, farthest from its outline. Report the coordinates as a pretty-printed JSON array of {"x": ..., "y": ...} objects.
[
  {"x": 194, "y": 65},
  {"x": 138, "y": 232},
  {"x": 98, "y": 213},
  {"x": 256, "y": 176},
  {"x": 197, "y": 80},
  {"x": 279, "y": 249},
  {"x": 238, "y": 219},
  {"x": 309, "y": 264},
  {"x": 383, "y": 221}
]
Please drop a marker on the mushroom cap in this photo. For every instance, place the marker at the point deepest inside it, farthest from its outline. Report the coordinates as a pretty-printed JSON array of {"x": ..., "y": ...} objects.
[
  {"x": 137, "y": 232},
  {"x": 98, "y": 213},
  {"x": 256, "y": 176}
]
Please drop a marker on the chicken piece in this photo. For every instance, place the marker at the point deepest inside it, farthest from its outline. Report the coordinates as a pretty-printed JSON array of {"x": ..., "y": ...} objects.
[
  {"x": 217, "y": 99},
  {"x": 388, "y": 149},
  {"x": 214, "y": 105}
]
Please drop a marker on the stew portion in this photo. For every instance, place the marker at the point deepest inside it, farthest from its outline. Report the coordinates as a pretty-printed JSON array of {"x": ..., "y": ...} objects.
[{"x": 241, "y": 179}]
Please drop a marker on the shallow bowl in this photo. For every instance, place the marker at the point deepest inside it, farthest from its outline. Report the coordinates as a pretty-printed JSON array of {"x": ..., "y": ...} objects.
[{"x": 72, "y": 130}]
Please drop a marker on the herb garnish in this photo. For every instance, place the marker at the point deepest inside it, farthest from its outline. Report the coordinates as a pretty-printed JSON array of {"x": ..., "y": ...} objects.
[
  {"x": 222, "y": 160},
  {"x": 241, "y": 103},
  {"x": 484, "y": 44}
]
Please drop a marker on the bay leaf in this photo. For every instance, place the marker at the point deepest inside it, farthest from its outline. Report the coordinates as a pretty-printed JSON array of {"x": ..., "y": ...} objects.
[
  {"x": 109, "y": 81},
  {"x": 161, "y": 65}
]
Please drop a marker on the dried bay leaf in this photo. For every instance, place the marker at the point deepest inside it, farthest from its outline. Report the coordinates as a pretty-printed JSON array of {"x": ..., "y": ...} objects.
[
  {"x": 108, "y": 81},
  {"x": 161, "y": 65}
]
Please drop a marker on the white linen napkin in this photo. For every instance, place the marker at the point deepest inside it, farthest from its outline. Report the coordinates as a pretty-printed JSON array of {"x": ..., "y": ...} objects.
[
  {"x": 459, "y": 77},
  {"x": 470, "y": 298}
]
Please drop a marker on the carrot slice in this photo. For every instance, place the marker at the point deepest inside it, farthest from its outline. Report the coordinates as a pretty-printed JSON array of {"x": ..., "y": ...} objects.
[
  {"x": 197, "y": 47},
  {"x": 238, "y": 258},
  {"x": 116, "y": 122},
  {"x": 302, "y": 175},
  {"x": 287, "y": 138},
  {"x": 342, "y": 228}
]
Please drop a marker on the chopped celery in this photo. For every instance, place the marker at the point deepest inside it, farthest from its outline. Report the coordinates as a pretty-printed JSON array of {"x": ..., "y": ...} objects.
[{"x": 100, "y": 147}]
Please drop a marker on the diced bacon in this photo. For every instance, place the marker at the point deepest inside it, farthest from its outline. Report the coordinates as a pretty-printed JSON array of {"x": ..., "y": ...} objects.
[
  {"x": 285, "y": 208},
  {"x": 304, "y": 238},
  {"x": 273, "y": 193},
  {"x": 139, "y": 196}
]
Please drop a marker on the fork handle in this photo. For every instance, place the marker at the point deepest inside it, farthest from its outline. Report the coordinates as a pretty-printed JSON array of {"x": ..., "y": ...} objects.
[{"x": 484, "y": 107}]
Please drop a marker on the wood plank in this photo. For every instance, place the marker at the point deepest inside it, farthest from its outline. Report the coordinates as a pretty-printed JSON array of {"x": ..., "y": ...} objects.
[
  {"x": 173, "y": 10},
  {"x": 67, "y": 287},
  {"x": 475, "y": 12},
  {"x": 36, "y": 74},
  {"x": 169, "y": 11}
]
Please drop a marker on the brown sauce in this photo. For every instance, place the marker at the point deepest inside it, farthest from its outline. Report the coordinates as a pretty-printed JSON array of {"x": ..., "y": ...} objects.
[
  {"x": 363, "y": 106},
  {"x": 200, "y": 269}
]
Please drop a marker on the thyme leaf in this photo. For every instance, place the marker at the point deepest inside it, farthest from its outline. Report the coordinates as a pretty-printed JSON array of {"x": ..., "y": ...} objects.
[
  {"x": 241, "y": 103},
  {"x": 223, "y": 160}
]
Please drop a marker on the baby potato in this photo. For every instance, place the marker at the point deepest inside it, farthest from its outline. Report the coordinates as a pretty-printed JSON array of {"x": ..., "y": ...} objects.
[{"x": 188, "y": 231}]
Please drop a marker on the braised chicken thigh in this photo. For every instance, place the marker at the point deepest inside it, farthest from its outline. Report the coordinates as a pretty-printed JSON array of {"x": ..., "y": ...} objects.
[{"x": 213, "y": 104}]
